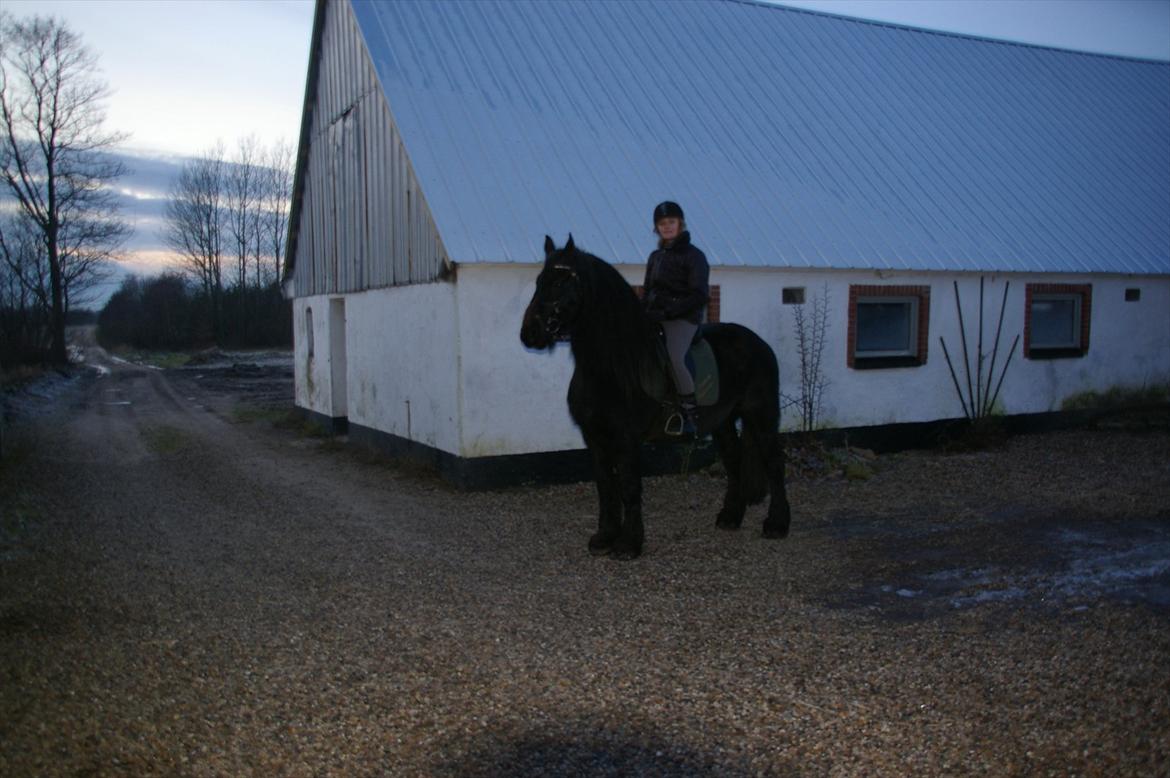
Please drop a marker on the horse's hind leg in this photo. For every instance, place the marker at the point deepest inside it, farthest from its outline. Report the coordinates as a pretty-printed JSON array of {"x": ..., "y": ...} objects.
[
  {"x": 764, "y": 470},
  {"x": 731, "y": 452},
  {"x": 779, "y": 513}
]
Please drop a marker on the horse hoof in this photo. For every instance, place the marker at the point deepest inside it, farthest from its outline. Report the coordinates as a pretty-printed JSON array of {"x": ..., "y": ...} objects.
[
  {"x": 776, "y": 533},
  {"x": 728, "y": 520},
  {"x": 625, "y": 551},
  {"x": 600, "y": 545}
]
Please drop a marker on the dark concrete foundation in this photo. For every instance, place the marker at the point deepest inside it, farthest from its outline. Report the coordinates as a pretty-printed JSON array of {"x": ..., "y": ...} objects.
[{"x": 573, "y": 466}]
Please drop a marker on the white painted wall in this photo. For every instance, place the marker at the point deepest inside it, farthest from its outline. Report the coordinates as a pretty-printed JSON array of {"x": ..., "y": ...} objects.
[
  {"x": 502, "y": 382},
  {"x": 442, "y": 363},
  {"x": 514, "y": 400},
  {"x": 1129, "y": 343},
  {"x": 400, "y": 366},
  {"x": 403, "y": 363},
  {"x": 312, "y": 366}
]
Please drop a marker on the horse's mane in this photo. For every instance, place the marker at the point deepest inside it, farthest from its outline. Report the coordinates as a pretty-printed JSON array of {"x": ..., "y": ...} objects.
[{"x": 613, "y": 332}]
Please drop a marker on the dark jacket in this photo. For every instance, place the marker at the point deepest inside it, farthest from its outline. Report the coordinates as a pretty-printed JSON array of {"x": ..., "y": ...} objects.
[{"x": 676, "y": 282}]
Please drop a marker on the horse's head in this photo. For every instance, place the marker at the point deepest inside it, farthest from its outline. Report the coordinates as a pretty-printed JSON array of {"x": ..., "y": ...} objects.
[{"x": 558, "y": 298}]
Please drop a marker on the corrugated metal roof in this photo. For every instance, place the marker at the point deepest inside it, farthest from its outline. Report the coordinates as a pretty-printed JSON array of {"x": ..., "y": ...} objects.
[{"x": 791, "y": 138}]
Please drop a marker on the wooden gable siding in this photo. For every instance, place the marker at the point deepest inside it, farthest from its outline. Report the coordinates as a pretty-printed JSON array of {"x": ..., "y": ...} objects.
[{"x": 364, "y": 223}]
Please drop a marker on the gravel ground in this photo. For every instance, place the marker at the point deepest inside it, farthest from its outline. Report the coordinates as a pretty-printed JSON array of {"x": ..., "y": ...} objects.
[{"x": 191, "y": 589}]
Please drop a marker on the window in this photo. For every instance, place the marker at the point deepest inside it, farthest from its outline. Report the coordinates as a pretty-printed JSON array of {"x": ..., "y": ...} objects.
[
  {"x": 1133, "y": 295},
  {"x": 792, "y": 295},
  {"x": 888, "y": 326},
  {"x": 1056, "y": 322}
]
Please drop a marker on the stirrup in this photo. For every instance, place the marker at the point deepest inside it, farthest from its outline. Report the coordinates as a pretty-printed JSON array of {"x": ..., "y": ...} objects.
[{"x": 680, "y": 424}]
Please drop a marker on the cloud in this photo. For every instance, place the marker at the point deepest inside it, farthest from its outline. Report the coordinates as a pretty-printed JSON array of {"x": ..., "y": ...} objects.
[{"x": 142, "y": 195}]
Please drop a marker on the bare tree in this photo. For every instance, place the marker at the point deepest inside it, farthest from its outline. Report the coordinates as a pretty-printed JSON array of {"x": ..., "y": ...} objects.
[
  {"x": 811, "y": 331},
  {"x": 25, "y": 263},
  {"x": 243, "y": 207},
  {"x": 24, "y": 294},
  {"x": 53, "y": 155},
  {"x": 86, "y": 250},
  {"x": 195, "y": 226},
  {"x": 278, "y": 165},
  {"x": 226, "y": 219}
]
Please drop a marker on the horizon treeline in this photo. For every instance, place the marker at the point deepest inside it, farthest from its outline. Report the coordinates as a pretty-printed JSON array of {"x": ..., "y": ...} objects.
[
  {"x": 226, "y": 220},
  {"x": 171, "y": 313}
]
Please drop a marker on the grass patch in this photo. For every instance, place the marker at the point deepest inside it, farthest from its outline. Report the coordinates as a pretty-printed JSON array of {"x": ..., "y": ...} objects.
[
  {"x": 165, "y": 439},
  {"x": 17, "y": 449},
  {"x": 808, "y": 456},
  {"x": 19, "y": 513},
  {"x": 162, "y": 359},
  {"x": 289, "y": 419},
  {"x": 1117, "y": 398},
  {"x": 21, "y": 374},
  {"x": 312, "y": 429},
  {"x": 282, "y": 418}
]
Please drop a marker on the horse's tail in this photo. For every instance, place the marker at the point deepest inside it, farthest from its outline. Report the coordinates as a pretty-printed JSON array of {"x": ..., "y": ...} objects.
[{"x": 753, "y": 466}]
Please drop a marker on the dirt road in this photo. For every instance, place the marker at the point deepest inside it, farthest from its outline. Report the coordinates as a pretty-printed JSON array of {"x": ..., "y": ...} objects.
[{"x": 188, "y": 589}]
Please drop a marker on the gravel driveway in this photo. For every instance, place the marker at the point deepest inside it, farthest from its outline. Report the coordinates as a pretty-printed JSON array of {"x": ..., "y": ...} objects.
[{"x": 187, "y": 588}]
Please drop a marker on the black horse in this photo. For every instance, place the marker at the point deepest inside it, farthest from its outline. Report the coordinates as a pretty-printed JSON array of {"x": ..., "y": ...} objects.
[{"x": 582, "y": 298}]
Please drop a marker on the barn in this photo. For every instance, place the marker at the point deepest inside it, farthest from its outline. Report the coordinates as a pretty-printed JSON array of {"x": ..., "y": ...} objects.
[{"x": 965, "y": 219}]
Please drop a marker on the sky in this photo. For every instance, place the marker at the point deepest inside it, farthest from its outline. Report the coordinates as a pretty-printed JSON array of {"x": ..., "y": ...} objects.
[
  {"x": 1131, "y": 28},
  {"x": 188, "y": 73}
]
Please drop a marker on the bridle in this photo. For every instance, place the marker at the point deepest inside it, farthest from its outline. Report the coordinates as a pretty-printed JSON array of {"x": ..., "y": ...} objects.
[{"x": 553, "y": 325}]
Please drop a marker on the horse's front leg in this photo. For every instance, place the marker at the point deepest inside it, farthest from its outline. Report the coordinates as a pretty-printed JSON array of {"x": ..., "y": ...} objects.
[
  {"x": 629, "y": 479},
  {"x": 609, "y": 497}
]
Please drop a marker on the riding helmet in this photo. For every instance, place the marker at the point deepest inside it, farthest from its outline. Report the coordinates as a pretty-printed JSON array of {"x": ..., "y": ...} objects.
[{"x": 667, "y": 209}]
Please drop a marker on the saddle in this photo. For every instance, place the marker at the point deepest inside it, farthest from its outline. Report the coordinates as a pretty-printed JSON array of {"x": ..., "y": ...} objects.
[{"x": 658, "y": 380}]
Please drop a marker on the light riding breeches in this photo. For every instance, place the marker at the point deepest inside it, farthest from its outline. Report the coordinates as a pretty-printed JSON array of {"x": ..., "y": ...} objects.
[{"x": 679, "y": 334}]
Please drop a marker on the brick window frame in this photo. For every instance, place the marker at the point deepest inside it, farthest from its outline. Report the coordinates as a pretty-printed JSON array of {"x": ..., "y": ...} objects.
[
  {"x": 1085, "y": 292},
  {"x": 711, "y": 315},
  {"x": 921, "y": 293}
]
